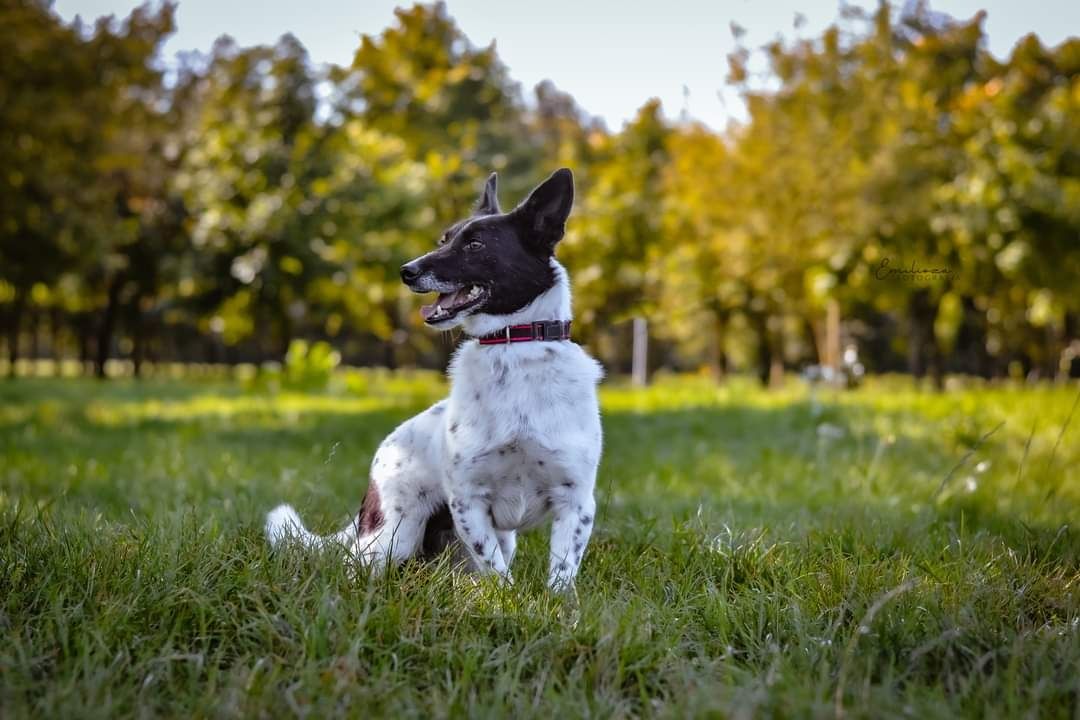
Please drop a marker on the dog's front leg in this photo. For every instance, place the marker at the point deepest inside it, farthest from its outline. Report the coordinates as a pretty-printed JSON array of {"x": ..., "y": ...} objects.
[
  {"x": 472, "y": 521},
  {"x": 570, "y": 533},
  {"x": 508, "y": 544}
]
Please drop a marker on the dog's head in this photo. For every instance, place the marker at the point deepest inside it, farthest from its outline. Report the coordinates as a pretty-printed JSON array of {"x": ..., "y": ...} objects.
[{"x": 494, "y": 262}]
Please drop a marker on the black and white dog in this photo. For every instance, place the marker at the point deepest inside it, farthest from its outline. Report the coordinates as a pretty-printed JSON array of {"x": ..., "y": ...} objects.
[{"x": 519, "y": 438}]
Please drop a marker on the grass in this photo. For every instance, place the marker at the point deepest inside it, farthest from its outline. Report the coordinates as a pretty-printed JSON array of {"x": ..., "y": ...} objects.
[{"x": 868, "y": 554}]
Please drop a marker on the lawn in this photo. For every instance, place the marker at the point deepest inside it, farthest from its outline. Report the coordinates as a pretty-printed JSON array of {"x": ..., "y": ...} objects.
[{"x": 883, "y": 552}]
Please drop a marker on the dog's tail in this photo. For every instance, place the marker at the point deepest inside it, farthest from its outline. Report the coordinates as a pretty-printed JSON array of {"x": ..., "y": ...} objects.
[{"x": 283, "y": 525}]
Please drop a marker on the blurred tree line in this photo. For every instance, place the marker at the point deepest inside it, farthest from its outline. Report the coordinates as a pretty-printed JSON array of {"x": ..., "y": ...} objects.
[{"x": 892, "y": 187}]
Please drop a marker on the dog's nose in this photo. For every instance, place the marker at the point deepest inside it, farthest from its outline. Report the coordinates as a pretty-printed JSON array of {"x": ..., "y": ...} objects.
[{"x": 409, "y": 272}]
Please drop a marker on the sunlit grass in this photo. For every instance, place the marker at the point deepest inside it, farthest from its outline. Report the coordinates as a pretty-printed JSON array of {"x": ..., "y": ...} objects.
[{"x": 756, "y": 552}]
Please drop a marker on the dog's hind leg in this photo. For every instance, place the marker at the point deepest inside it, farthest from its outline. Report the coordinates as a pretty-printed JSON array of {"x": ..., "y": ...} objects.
[
  {"x": 388, "y": 533},
  {"x": 397, "y": 540}
]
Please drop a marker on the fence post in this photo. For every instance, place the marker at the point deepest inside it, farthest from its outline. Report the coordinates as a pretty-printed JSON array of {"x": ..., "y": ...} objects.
[
  {"x": 639, "y": 369},
  {"x": 832, "y": 334}
]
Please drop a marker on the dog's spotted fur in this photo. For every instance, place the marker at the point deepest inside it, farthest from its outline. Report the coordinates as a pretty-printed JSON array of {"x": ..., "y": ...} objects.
[{"x": 518, "y": 440}]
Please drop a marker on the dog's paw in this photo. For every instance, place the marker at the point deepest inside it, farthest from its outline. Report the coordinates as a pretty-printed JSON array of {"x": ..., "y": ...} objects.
[{"x": 562, "y": 584}]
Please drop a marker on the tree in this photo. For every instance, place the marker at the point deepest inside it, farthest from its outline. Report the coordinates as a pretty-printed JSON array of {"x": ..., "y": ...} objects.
[
  {"x": 69, "y": 95},
  {"x": 617, "y": 234},
  {"x": 255, "y": 153},
  {"x": 1012, "y": 209},
  {"x": 453, "y": 105},
  {"x": 702, "y": 278}
]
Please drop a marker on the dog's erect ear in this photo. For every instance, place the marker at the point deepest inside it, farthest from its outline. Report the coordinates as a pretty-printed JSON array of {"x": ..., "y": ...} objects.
[
  {"x": 489, "y": 199},
  {"x": 545, "y": 211}
]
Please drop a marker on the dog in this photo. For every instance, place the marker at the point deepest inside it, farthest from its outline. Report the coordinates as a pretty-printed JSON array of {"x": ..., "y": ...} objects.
[{"x": 519, "y": 439}]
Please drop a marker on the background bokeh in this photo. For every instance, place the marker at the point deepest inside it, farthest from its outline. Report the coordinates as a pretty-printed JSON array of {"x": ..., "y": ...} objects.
[
  {"x": 890, "y": 186},
  {"x": 899, "y": 191}
]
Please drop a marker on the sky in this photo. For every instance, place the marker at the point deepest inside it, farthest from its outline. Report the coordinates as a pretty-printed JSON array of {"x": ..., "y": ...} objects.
[{"x": 611, "y": 55}]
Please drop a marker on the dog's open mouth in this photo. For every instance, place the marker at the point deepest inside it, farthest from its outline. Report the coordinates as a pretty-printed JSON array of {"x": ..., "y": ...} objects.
[{"x": 452, "y": 304}]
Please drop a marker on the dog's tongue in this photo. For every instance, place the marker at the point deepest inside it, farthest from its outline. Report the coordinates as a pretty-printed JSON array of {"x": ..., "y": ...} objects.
[
  {"x": 444, "y": 302},
  {"x": 426, "y": 311}
]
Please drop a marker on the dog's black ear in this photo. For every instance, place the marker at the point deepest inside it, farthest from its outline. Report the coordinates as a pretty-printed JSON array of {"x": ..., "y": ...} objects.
[
  {"x": 545, "y": 211},
  {"x": 489, "y": 198}
]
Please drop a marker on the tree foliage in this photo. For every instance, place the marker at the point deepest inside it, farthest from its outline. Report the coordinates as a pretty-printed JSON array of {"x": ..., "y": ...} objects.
[{"x": 893, "y": 186}]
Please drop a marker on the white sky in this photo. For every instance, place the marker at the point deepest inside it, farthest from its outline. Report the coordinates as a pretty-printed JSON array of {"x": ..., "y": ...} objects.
[{"x": 611, "y": 55}]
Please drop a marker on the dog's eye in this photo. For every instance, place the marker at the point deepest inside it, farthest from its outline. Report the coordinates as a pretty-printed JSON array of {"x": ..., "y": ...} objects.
[
  {"x": 444, "y": 239},
  {"x": 474, "y": 245}
]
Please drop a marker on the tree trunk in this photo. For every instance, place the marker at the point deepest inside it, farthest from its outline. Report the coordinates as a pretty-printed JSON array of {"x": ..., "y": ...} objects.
[
  {"x": 56, "y": 334},
  {"x": 1072, "y": 336},
  {"x": 937, "y": 365},
  {"x": 971, "y": 340},
  {"x": 718, "y": 361},
  {"x": 108, "y": 326},
  {"x": 285, "y": 328},
  {"x": 776, "y": 371},
  {"x": 764, "y": 348},
  {"x": 35, "y": 333},
  {"x": 17, "y": 310},
  {"x": 1055, "y": 345},
  {"x": 259, "y": 325},
  {"x": 816, "y": 337},
  {"x": 153, "y": 344},
  {"x": 82, "y": 325},
  {"x": 286, "y": 339},
  {"x": 137, "y": 338},
  {"x": 924, "y": 356}
]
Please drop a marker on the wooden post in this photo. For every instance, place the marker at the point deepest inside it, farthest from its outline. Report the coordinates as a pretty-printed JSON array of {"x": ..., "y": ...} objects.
[
  {"x": 639, "y": 369},
  {"x": 832, "y": 334}
]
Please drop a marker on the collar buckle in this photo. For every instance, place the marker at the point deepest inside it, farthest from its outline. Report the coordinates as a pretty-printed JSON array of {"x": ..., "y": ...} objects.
[{"x": 548, "y": 330}]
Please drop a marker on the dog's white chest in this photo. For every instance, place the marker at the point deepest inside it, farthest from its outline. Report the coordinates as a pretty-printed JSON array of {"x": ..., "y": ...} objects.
[
  {"x": 520, "y": 423},
  {"x": 518, "y": 480}
]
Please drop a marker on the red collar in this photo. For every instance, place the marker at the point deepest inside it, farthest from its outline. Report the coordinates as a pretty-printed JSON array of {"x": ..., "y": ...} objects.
[{"x": 539, "y": 330}]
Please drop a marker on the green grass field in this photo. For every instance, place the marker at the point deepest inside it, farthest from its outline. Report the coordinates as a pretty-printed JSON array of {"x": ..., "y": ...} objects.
[{"x": 864, "y": 554}]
